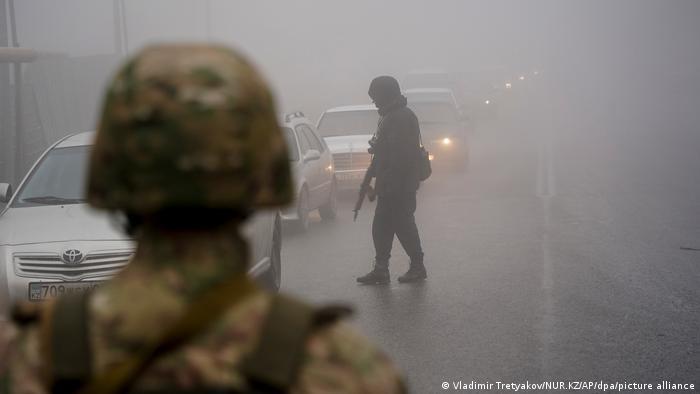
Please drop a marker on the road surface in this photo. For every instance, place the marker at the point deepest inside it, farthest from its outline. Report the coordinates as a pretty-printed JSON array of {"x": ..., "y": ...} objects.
[{"x": 564, "y": 253}]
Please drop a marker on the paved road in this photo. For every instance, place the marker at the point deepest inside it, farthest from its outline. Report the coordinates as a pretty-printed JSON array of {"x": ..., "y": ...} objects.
[
  {"x": 564, "y": 253},
  {"x": 558, "y": 255}
]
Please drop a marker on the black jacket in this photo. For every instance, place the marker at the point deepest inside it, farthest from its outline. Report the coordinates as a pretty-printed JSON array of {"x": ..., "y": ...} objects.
[{"x": 396, "y": 151}]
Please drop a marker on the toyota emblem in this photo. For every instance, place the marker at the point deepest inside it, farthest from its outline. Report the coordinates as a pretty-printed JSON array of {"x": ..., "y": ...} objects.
[{"x": 72, "y": 256}]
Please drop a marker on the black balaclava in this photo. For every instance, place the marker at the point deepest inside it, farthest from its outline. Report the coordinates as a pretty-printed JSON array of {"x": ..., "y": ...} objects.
[{"x": 384, "y": 91}]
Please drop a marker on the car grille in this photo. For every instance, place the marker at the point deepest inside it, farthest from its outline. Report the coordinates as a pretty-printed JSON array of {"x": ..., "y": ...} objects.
[
  {"x": 50, "y": 265},
  {"x": 351, "y": 161}
]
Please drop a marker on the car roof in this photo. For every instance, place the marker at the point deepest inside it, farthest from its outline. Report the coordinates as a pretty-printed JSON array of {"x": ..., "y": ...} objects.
[
  {"x": 79, "y": 139},
  {"x": 430, "y": 70},
  {"x": 428, "y": 90},
  {"x": 88, "y": 138},
  {"x": 293, "y": 119},
  {"x": 433, "y": 95},
  {"x": 350, "y": 108}
]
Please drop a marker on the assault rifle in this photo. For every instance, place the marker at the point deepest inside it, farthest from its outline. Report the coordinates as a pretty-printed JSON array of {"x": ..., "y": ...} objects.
[{"x": 365, "y": 190}]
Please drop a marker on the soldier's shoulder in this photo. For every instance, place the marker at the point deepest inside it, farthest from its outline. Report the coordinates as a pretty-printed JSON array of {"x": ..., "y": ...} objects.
[
  {"x": 338, "y": 358},
  {"x": 403, "y": 116},
  {"x": 408, "y": 114},
  {"x": 8, "y": 333},
  {"x": 20, "y": 357},
  {"x": 341, "y": 359},
  {"x": 21, "y": 327}
]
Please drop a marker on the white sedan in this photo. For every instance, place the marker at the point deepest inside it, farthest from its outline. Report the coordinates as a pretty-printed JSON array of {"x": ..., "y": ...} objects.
[{"x": 52, "y": 242}]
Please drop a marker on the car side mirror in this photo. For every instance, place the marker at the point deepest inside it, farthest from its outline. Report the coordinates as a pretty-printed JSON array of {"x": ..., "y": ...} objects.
[
  {"x": 312, "y": 154},
  {"x": 5, "y": 192}
]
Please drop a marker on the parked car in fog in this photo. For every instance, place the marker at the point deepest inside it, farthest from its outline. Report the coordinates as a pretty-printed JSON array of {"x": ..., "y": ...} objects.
[
  {"x": 432, "y": 79},
  {"x": 53, "y": 243},
  {"x": 443, "y": 127},
  {"x": 434, "y": 94},
  {"x": 446, "y": 95},
  {"x": 347, "y": 131},
  {"x": 313, "y": 172}
]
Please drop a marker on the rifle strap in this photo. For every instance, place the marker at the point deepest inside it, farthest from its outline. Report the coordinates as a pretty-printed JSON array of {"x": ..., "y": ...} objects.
[
  {"x": 206, "y": 309},
  {"x": 274, "y": 364},
  {"x": 276, "y": 360},
  {"x": 68, "y": 343},
  {"x": 271, "y": 368}
]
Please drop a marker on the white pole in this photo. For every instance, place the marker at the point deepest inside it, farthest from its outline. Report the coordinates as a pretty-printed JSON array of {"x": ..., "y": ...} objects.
[
  {"x": 208, "y": 21},
  {"x": 118, "y": 34}
]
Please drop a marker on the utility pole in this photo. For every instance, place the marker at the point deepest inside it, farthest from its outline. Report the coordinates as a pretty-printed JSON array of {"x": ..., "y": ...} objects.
[
  {"x": 121, "y": 34},
  {"x": 125, "y": 30},
  {"x": 118, "y": 33},
  {"x": 5, "y": 145},
  {"x": 19, "y": 118},
  {"x": 17, "y": 56},
  {"x": 208, "y": 21}
]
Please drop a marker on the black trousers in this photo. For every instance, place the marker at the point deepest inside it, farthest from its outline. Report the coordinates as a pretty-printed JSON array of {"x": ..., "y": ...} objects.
[{"x": 395, "y": 215}]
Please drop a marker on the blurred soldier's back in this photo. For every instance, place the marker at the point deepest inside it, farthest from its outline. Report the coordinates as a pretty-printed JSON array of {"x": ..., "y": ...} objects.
[{"x": 187, "y": 148}]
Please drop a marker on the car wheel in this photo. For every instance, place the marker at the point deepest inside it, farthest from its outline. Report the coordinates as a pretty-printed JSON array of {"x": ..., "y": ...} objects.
[
  {"x": 329, "y": 209},
  {"x": 273, "y": 277},
  {"x": 302, "y": 223}
]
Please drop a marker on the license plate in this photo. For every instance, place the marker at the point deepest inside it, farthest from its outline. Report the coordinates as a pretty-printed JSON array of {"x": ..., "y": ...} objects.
[
  {"x": 349, "y": 176},
  {"x": 44, "y": 290}
]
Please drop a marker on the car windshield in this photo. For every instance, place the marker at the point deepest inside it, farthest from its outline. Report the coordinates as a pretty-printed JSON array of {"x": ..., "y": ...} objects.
[
  {"x": 291, "y": 144},
  {"x": 434, "y": 112},
  {"x": 334, "y": 124},
  {"x": 59, "y": 179}
]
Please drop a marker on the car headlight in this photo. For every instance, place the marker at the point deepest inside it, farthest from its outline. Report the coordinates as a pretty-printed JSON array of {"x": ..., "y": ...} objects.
[
  {"x": 487, "y": 102},
  {"x": 446, "y": 141}
]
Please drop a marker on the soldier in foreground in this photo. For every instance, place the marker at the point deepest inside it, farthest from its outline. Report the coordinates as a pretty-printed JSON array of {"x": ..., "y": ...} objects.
[{"x": 188, "y": 147}]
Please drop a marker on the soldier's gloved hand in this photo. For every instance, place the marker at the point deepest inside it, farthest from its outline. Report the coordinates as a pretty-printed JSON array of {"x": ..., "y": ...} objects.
[{"x": 372, "y": 142}]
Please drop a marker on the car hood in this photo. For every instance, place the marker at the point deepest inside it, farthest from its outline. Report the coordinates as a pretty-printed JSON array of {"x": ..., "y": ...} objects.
[
  {"x": 348, "y": 143},
  {"x": 56, "y": 223}
]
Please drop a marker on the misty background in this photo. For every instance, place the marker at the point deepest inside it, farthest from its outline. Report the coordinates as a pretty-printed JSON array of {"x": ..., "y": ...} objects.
[
  {"x": 616, "y": 100},
  {"x": 630, "y": 62}
]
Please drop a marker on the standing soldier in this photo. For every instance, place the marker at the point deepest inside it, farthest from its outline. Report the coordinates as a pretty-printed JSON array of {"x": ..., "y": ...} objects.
[
  {"x": 187, "y": 148},
  {"x": 395, "y": 166}
]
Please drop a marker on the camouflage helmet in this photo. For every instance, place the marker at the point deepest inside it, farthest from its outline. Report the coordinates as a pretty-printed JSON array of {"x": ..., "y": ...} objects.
[{"x": 188, "y": 126}]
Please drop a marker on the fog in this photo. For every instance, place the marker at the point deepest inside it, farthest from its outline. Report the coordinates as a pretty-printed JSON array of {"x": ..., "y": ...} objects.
[
  {"x": 322, "y": 53},
  {"x": 603, "y": 101}
]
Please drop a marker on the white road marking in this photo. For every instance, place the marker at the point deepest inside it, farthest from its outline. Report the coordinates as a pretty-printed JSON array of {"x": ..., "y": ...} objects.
[
  {"x": 545, "y": 169},
  {"x": 547, "y": 328},
  {"x": 545, "y": 190}
]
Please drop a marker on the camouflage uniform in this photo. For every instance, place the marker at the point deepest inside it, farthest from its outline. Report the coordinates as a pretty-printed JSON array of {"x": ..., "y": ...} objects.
[{"x": 188, "y": 126}]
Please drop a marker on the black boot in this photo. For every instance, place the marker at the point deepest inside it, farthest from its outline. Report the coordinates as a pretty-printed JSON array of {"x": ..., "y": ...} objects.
[
  {"x": 378, "y": 276},
  {"x": 416, "y": 272}
]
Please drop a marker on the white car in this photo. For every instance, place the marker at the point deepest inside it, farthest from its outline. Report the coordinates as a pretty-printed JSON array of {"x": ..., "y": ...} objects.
[
  {"x": 313, "y": 172},
  {"x": 434, "y": 78},
  {"x": 442, "y": 95},
  {"x": 347, "y": 131},
  {"x": 52, "y": 242},
  {"x": 443, "y": 127},
  {"x": 434, "y": 94}
]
